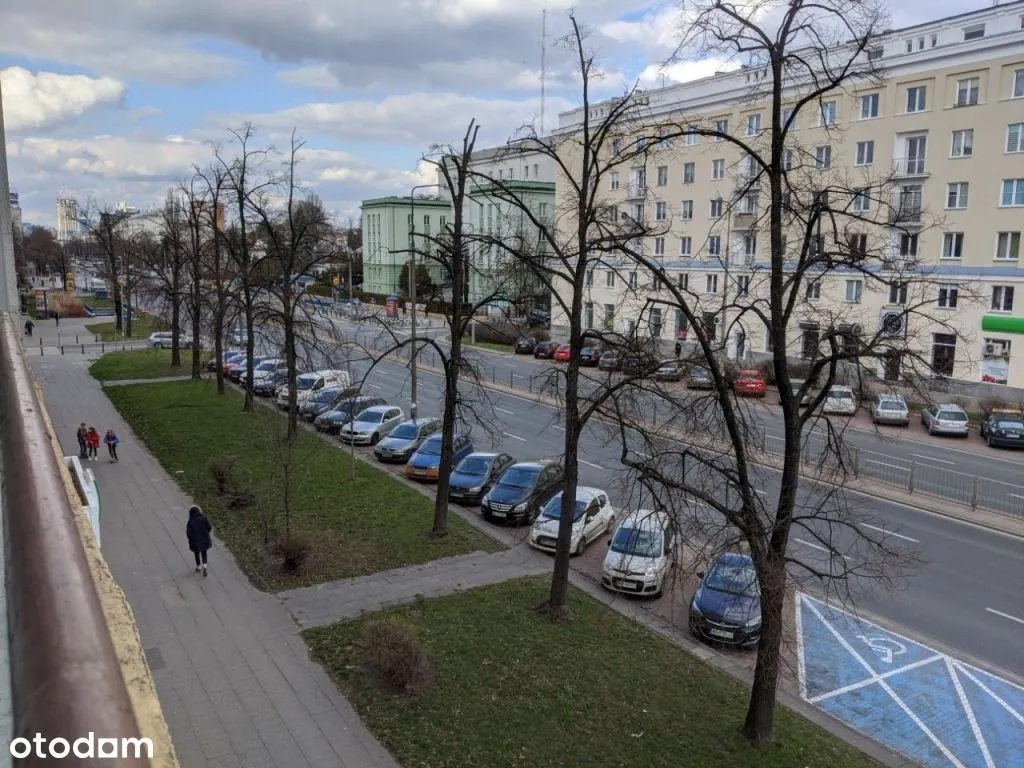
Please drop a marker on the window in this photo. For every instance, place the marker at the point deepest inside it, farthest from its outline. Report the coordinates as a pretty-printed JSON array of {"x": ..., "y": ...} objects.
[
  {"x": 749, "y": 245},
  {"x": 590, "y": 277},
  {"x": 948, "y": 296},
  {"x": 917, "y": 98},
  {"x": 1018, "y": 82},
  {"x": 861, "y": 200},
  {"x": 609, "y": 317},
  {"x": 943, "y": 353},
  {"x": 963, "y": 143},
  {"x": 828, "y": 114},
  {"x": 868, "y": 106},
  {"x": 908, "y": 246},
  {"x": 858, "y": 245},
  {"x": 898, "y": 293},
  {"x": 952, "y": 245},
  {"x": 753, "y": 124},
  {"x": 721, "y": 128},
  {"x": 689, "y": 170},
  {"x": 632, "y": 279},
  {"x": 956, "y": 194},
  {"x": 710, "y": 322},
  {"x": 663, "y": 140},
  {"x": 743, "y": 285},
  {"x": 974, "y": 33},
  {"x": 536, "y": 170},
  {"x": 1013, "y": 192},
  {"x": 853, "y": 291},
  {"x": 659, "y": 246},
  {"x": 660, "y": 211},
  {"x": 655, "y": 325},
  {"x": 526, "y": 171},
  {"x": 711, "y": 284},
  {"x": 639, "y": 145},
  {"x": 823, "y": 158},
  {"x": 865, "y": 152},
  {"x": 715, "y": 210},
  {"x": 662, "y": 175},
  {"x": 685, "y": 247},
  {"x": 683, "y": 281},
  {"x": 691, "y": 136},
  {"x": 588, "y": 315},
  {"x": 717, "y": 169},
  {"x": 616, "y": 146},
  {"x": 715, "y": 245},
  {"x": 967, "y": 91},
  {"x": 787, "y": 160},
  {"x": 613, "y": 180},
  {"x": 609, "y": 279},
  {"x": 787, "y": 117},
  {"x": 910, "y": 46},
  {"x": 681, "y": 323},
  {"x": 686, "y": 209},
  {"x": 1002, "y": 298},
  {"x": 813, "y": 290},
  {"x": 1015, "y": 137},
  {"x": 1008, "y": 245}
]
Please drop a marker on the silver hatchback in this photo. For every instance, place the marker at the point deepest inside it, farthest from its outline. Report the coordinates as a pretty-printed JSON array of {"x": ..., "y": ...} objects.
[{"x": 946, "y": 419}]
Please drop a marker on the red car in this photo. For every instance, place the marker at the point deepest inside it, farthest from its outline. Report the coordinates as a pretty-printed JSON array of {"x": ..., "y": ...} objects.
[
  {"x": 563, "y": 353},
  {"x": 749, "y": 383}
]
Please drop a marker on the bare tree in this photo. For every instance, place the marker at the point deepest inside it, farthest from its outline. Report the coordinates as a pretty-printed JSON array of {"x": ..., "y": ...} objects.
[
  {"x": 212, "y": 182},
  {"x": 161, "y": 261},
  {"x": 107, "y": 228}
]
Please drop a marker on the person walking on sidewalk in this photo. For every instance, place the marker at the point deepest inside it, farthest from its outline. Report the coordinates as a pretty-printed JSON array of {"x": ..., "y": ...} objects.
[
  {"x": 92, "y": 443},
  {"x": 111, "y": 440},
  {"x": 197, "y": 531},
  {"x": 83, "y": 450},
  {"x": 29, "y": 325}
]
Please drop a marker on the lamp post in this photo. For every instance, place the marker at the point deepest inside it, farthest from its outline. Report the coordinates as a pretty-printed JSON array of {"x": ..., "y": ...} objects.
[{"x": 412, "y": 293}]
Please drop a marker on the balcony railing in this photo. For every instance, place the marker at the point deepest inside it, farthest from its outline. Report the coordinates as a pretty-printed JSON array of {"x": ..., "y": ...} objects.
[
  {"x": 636, "y": 190},
  {"x": 900, "y": 263},
  {"x": 909, "y": 166},
  {"x": 905, "y": 212},
  {"x": 747, "y": 180}
]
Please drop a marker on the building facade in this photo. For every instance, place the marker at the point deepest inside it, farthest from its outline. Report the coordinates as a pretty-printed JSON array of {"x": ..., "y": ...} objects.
[
  {"x": 940, "y": 136},
  {"x": 393, "y": 228},
  {"x": 69, "y": 225}
]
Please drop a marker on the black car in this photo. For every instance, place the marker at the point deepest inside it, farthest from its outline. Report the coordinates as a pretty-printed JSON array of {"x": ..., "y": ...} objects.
[
  {"x": 525, "y": 345},
  {"x": 538, "y": 318},
  {"x": 1003, "y": 429},
  {"x": 322, "y": 402},
  {"x": 473, "y": 477},
  {"x": 669, "y": 370},
  {"x": 610, "y": 361},
  {"x": 545, "y": 350},
  {"x": 590, "y": 356},
  {"x": 521, "y": 492},
  {"x": 239, "y": 374},
  {"x": 638, "y": 364},
  {"x": 332, "y": 421},
  {"x": 727, "y": 606}
]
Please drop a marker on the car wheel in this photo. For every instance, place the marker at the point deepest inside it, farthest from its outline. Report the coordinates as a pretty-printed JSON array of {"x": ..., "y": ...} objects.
[
  {"x": 930, "y": 430},
  {"x": 580, "y": 546},
  {"x": 988, "y": 440},
  {"x": 374, "y": 439}
]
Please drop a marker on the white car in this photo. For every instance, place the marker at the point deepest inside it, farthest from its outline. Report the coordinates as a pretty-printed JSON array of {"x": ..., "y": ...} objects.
[
  {"x": 593, "y": 517},
  {"x": 307, "y": 385},
  {"x": 643, "y": 549},
  {"x": 840, "y": 400},
  {"x": 371, "y": 425},
  {"x": 165, "y": 340}
]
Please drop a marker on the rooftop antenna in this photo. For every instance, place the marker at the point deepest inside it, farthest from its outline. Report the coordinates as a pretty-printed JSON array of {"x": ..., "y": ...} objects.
[{"x": 543, "y": 61}]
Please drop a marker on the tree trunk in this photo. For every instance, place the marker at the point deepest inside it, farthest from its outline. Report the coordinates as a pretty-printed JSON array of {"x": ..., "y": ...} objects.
[
  {"x": 444, "y": 470},
  {"x": 176, "y": 315},
  {"x": 289, "y": 356},
  {"x": 197, "y": 318},
  {"x": 250, "y": 349},
  {"x": 758, "y": 725},
  {"x": 118, "y": 303}
]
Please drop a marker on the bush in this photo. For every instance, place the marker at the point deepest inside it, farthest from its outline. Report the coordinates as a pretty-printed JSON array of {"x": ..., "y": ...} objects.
[
  {"x": 498, "y": 332},
  {"x": 294, "y": 551},
  {"x": 988, "y": 404},
  {"x": 224, "y": 473},
  {"x": 392, "y": 653}
]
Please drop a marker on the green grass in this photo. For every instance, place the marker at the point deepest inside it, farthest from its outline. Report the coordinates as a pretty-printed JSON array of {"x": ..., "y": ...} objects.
[
  {"x": 140, "y": 364},
  {"x": 95, "y": 303},
  {"x": 371, "y": 524},
  {"x": 516, "y": 689},
  {"x": 492, "y": 345},
  {"x": 142, "y": 326}
]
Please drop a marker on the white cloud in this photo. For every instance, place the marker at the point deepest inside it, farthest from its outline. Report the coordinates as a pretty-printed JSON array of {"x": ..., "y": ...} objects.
[
  {"x": 37, "y": 101},
  {"x": 318, "y": 77}
]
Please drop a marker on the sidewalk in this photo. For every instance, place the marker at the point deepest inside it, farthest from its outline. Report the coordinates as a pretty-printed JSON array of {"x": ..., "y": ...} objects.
[{"x": 235, "y": 680}]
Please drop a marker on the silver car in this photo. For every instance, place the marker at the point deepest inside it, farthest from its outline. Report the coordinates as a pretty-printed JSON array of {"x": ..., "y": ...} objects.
[
  {"x": 372, "y": 424},
  {"x": 946, "y": 419},
  {"x": 888, "y": 408}
]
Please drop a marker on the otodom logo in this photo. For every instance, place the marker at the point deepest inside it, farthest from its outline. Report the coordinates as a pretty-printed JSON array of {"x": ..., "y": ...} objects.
[{"x": 88, "y": 746}]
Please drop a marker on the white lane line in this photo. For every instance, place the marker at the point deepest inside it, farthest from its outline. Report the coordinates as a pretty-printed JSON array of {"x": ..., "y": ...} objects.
[
  {"x": 514, "y": 437},
  {"x": 1005, "y": 615},
  {"x": 871, "y": 680},
  {"x": 890, "y": 466},
  {"x": 562, "y": 429},
  {"x": 595, "y": 466},
  {"x": 505, "y": 410},
  {"x": 978, "y": 737},
  {"x": 759, "y": 492},
  {"x": 812, "y": 545},
  {"x": 888, "y": 533},
  {"x": 994, "y": 696},
  {"x": 932, "y": 458},
  {"x": 377, "y": 386}
]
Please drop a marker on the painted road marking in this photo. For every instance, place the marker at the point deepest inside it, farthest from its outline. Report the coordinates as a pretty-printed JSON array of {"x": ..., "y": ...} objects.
[
  {"x": 560, "y": 428},
  {"x": 932, "y": 458},
  {"x": 595, "y": 466},
  {"x": 888, "y": 533},
  {"x": 1005, "y": 615},
  {"x": 514, "y": 437},
  {"x": 759, "y": 492},
  {"x": 812, "y": 545},
  {"x": 377, "y": 386},
  {"x": 927, "y": 705},
  {"x": 504, "y": 410},
  {"x": 891, "y": 466}
]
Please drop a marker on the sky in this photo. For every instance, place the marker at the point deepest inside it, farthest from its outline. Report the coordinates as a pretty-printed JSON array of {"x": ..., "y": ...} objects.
[{"x": 117, "y": 100}]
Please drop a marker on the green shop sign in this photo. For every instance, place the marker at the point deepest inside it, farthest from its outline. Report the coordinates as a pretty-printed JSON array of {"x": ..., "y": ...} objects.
[{"x": 1002, "y": 324}]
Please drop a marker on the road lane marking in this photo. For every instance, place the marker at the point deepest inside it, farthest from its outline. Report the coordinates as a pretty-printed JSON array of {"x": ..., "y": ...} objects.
[
  {"x": 595, "y": 466},
  {"x": 505, "y": 410},
  {"x": 1005, "y": 615},
  {"x": 514, "y": 437},
  {"x": 932, "y": 458},
  {"x": 759, "y": 492},
  {"x": 882, "y": 463},
  {"x": 562, "y": 429},
  {"x": 812, "y": 545},
  {"x": 377, "y": 386},
  {"x": 889, "y": 533}
]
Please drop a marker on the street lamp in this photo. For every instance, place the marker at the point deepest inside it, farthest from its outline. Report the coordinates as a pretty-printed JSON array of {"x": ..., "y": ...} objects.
[{"x": 412, "y": 292}]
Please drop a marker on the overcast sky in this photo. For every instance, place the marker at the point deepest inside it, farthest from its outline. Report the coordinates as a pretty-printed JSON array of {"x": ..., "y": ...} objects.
[{"x": 116, "y": 99}]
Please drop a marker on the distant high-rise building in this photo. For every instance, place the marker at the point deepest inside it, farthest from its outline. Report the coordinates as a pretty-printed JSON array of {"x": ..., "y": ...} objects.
[
  {"x": 68, "y": 223},
  {"x": 16, "y": 223}
]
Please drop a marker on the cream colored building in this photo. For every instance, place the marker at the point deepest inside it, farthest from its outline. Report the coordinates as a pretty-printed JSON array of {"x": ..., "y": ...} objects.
[{"x": 943, "y": 134}]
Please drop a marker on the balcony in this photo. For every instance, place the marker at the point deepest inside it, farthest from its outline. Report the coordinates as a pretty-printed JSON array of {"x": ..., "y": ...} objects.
[
  {"x": 900, "y": 263},
  {"x": 747, "y": 180},
  {"x": 905, "y": 211},
  {"x": 909, "y": 167},
  {"x": 636, "y": 190}
]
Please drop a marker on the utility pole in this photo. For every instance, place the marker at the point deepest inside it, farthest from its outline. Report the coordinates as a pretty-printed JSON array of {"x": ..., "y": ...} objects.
[
  {"x": 412, "y": 294},
  {"x": 8, "y": 276}
]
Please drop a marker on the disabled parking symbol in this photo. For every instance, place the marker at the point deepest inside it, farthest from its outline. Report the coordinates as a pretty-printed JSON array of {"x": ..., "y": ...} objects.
[{"x": 884, "y": 647}]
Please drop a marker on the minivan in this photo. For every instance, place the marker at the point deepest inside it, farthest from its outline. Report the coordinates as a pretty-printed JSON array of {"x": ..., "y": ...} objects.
[{"x": 308, "y": 384}]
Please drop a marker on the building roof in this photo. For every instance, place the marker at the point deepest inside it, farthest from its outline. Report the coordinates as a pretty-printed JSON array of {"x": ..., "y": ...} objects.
[{"x": 406, "y": 202}]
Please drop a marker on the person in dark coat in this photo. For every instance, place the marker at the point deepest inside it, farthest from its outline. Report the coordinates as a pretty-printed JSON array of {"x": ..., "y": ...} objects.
[
  {"x": 83, "y": 452},
  {"x": 197, "y": 531}
]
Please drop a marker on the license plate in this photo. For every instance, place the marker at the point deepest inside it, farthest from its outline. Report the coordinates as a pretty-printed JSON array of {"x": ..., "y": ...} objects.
[
  {"x": 497, "y": 514},
  {"x": 720, "y": 633},
  {"x": 1013, "y": 434},
  {"x": 625, "y": 584}
]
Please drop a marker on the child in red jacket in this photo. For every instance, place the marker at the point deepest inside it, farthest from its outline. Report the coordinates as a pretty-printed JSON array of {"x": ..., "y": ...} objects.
[{"x": 92, "y": 443}]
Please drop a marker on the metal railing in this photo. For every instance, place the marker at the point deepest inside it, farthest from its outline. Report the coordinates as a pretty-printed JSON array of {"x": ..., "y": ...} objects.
[{"x": 65, "y": 675}]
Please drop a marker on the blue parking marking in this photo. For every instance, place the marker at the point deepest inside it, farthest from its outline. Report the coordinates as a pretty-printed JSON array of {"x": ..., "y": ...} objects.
[{"x": 927, "y": 705}]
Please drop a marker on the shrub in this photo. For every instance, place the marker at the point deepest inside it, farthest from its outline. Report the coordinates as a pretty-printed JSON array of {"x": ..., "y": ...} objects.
[
  {"x": 498, "y": 332},
  {"x": 294, "y": 550},
  {"x": 391, "y": 651},
  {"x": 988, "y": 404},
  {"x": 224, "y": 473}
]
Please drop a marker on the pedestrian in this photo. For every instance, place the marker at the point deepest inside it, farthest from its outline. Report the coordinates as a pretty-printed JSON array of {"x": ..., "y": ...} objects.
[
  {"x": 679, "y": 348},
  {"x": 197, "y": 531},
  {"x": 29, "y": 325},
  {"x": 92, "y": 442},
  {"x": 111, "y": 440},
  {"x": 83, "y": 449}
]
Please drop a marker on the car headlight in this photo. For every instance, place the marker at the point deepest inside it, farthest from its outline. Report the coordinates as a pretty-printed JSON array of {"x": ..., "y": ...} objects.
[
  {"x": 521, "y": 507},
  {"x": 694, "y": 608},
  {"x": 476, "y": 490},
  {"x": 755, "y": 622}
]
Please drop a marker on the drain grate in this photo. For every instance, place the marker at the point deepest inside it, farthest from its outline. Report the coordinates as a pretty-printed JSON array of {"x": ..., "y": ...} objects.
[{"x": 155, "y": 659}]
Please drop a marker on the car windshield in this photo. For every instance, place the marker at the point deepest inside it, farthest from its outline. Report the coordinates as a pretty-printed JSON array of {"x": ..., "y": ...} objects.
[
  {"x": 304, "y": 382},
  {"x": 267, "y": 365},
  {"x": 520, "y": 477},
  {"x": 405, "y": 432},
  {"x": 587, "y": 351},
  {"x": 432, "y": 446},
  {"x": 951, "y": 416},
  {"x": 699, "y": 373},
  {"x": 1010, "y": 425},
  {"x": 892, "y": 405},
  {"x": 326, "y": 395},
  {"x": 474, "y": 465},
  {"x": 839, "y": 394},
  {"x": 372, "y": 417},
  {"x": 639, "y": 542},
  {"x": 667, "y": 367},
  {"x": 734, "y": 579},
  {"x": 553, "y": 509}
]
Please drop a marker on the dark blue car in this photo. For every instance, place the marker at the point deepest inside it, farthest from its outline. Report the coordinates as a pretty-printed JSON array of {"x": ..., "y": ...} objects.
[
  {"x": 473, "y": 477},
  {"x": 425, "y": 463},
  {"x": 727, "y": 605}
]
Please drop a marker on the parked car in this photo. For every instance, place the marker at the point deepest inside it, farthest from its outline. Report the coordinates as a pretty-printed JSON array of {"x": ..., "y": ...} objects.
[
  {"x": 946, "y": 419},
  {"x": 164, "y": 339},
  {"x": 308, "y": 384},
  {"x": 369, "y": 426},
  {"x": 268, "y": 375},
  {"x": 332, "y": 421},
  {"x": 590, "y": 356},
  {"x": 840, "y": 401},
  {"x": 562, "y": 354},
  {"x": 425, "y": 462},
  {"x": 1003, "y": 428},
  {"x": 610, "y": 361},
  {"x": 727, "y": 605},
  {"x": 403, "y": 440},
  {"x": 748, "y": 383},
  {"x": 538, "y": 318},
  {"x": 641, "y": 551},
  {"x": 225, "y": 355},
  {"x": 668, "y": 370},
  {"x": 230, "y": 362},
  {"x": 795, "y": 386},
  {"x": 890, "y": 408},
  {"x": 545, "y": 350},
  {"x": 593, "y": 516},
  {"x": 473, "y": 477},
  {"x": 521, "y": 491},
  {"x": 699, "y": 378},
  {"x": 239, "y": 373},
  {"x": 525, "y": 345},
  {"x": 638, "y": 364},
  {"x": 322, "y": 402}
]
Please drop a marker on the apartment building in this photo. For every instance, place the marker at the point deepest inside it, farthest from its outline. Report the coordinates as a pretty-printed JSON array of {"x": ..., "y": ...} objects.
[
  {"x": 390, "y": 225},
  {"x": 942, "y": 134}
]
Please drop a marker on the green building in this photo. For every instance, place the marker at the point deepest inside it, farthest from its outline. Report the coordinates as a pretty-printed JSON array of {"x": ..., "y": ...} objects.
[{"x": 388, "y": 231}]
